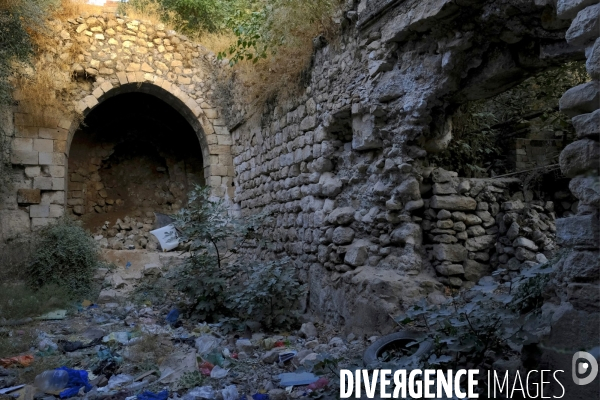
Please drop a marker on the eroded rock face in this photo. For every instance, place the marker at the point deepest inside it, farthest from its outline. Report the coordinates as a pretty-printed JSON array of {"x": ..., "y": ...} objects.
[{"x": 355, "y": 139}]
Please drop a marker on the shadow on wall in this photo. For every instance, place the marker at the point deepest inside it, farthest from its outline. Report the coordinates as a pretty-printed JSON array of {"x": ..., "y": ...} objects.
[{"x": 133, "y": 155}]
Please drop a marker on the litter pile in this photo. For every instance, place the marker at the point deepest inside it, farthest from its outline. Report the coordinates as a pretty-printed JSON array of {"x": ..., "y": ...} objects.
[{"x": 126, "y": 352}]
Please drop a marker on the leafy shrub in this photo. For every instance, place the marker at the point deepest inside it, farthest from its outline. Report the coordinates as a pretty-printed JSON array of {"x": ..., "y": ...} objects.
[
  {"x": 268, "y": 293},
  {"x": 477, "y": 321},
  {"x": 65, "y": 255},
  {"x": 222, "y": 285}
]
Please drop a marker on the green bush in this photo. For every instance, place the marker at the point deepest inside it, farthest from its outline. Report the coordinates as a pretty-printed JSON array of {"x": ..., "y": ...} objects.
[
  {"x": 65, "y": 255},
  {"x": 268, "y": 293},
  {"x": 220, "y": 284}
]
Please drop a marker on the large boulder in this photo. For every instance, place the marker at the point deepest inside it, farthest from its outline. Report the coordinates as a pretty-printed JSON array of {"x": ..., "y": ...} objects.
[
  {"x": 593, "y": 61},
  {"x": 343, "y": 235},
  {"x": 480, "y": 242},
  {"x": 450, "y": 252},
  {"x": 580, "y": 157},
  {"x": 586, "y": 189},
  {"x": 578, "y": 230},
  {"x": 453, "y": 203},
  {"x": 585, "y": 27},
  {"x": 408, "y": 233},
  {"x": 420, "y": 18},
  {"x": 364, "y": 133},
  {"x": 587, "y": 125},
  {"x": 341, "y": 216},
  {"x": 475, "y": 271},
  {"x": 581, "y": 265},
  {"x": 357, "y": 253},
  {"x": 568, "y": 9},
  {"x": 331, "y": 186},
  {"x": 580, "y": 99}
]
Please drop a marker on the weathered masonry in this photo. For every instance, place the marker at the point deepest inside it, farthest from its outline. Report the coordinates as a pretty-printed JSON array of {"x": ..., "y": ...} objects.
[
  {"x": 344, "y": 168},
  {"x": 117, "y": 58}
]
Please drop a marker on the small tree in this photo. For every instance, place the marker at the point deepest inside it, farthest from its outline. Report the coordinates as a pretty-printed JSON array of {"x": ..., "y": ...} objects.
[{"x": 219, "y": 281}]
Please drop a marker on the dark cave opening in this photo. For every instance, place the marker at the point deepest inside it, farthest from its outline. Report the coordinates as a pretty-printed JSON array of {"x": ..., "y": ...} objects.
[{"x": 133, "y": 155}]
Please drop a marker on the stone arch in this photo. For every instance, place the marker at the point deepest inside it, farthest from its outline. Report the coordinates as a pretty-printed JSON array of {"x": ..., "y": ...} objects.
[
  {"x": 114, "y": 56},
  {"x": 179, "y": 101}
]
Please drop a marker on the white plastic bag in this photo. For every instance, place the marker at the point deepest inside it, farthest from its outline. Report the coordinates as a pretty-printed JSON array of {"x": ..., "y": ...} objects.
[
  {"x": 201, "y": 392},
  {"x": 218, "y": 372},
  {"x": 206, "y": 343},
  {"x": 230, "y": 393},
  {"x": 167, "y": 237}
]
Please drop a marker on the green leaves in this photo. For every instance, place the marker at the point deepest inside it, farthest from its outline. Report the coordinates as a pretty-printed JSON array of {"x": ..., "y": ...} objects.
[
  {"x": 487, "y": 317},
  {"x": 220, "y": 282},
  {"x": 65, "y": 255}
]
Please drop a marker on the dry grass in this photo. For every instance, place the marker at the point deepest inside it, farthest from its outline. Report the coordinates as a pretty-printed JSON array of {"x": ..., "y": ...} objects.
[
  {"x": 43, "y": 89},
  {"x": 150, "y": 11},
  {"x": 298, "y": 23}
]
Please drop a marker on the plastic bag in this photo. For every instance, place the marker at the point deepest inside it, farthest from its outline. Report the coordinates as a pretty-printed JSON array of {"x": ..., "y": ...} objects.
[
  {"x": 21, "y": 361},
  {"x": 230, "y": 393},
  {"x": 78, "y": 379},
  {"x": 201, "y": 392},
  {"x": 206, "y": 368},
  {"x": 167, "y": 237},
  {"x": 218, "y": 372},
  {"x": 147, "y": 395},
  {"x": 206, "y": 343},
  {"x": 173, "y": 316},
  {"x": 117, "y": 381},
  {"x": 120, "y": 337}
]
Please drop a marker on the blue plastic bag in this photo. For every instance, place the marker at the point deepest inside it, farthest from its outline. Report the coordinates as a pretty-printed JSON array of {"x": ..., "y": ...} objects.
[
  {"x": 147, "y": 395},
  {"x": 77, "y": 380},
  {"x": 173, "y": 316}
]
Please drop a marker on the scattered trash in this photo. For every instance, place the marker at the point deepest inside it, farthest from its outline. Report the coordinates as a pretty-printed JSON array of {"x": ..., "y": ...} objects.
[
  {"x": 319, "y": 384},
  {"x": 147, "y": 395},
  {"x": 120, "y": 337},
  {"x": 20, "y": 361},
  {"x": 54, "y": 315},
  {"x": 230, "y": 393},
  {"x": 119, "y": 381},
  {"x": 215, "y": 357},
  {"x": 206, "y": 343},
  {"x": 297, "y": 379},
  {"x": 218, "y": 372},
  {"x": 175, "y": 365},
  {"x": 167, "y": 237},
  {"x": 68, "y": 346},
  {"x": 52, "y": 381},
  {"x": 201, "y": 392},
  {"x": 206, "y": 368},
  {"x": 78, "y": 379},
  {"x": 127, "y": 265},
  {"x": 286, "y": 356},
  {"x": 172, "y": 317},
  {"x": 10, "y": 389}
]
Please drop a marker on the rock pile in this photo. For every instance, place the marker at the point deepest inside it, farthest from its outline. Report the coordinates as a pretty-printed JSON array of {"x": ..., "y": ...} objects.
[
  {"x": 128, "y": 234},
  {"x": 474, "y": 226}
]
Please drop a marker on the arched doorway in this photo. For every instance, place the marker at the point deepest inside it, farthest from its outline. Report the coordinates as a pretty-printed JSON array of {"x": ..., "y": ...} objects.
[{"x": 133, "y": 155}]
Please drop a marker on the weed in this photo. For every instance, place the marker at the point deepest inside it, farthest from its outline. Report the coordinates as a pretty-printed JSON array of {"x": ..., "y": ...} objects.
[
  {"x": 20, "y": 301},
  {"x": 190, "y": 380}
]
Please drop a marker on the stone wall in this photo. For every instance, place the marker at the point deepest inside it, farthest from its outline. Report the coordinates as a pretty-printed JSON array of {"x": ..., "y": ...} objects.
[
  {"x": 343, "y": 167},
  {"x": 113, "y": 56},
  {"x": 577, "y": 290},
  {"x": 474, "y": 227}
]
